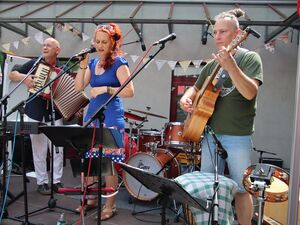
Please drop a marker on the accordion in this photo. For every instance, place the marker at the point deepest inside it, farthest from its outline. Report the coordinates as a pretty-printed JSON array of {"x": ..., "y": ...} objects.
[
  {"x": 66, "y": 99},
  {"x": 44, "y": 74}
]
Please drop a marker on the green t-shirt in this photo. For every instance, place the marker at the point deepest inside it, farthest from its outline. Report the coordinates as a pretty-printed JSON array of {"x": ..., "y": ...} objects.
[{"x": 234, "y": 114}]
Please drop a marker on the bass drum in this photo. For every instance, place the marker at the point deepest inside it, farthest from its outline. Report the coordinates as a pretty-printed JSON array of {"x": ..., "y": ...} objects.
[{"x": 153, "y": 164}]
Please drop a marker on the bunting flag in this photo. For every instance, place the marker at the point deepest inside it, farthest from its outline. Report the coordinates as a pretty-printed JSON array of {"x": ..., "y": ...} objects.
[
  {"x": 145, "y": 60},
  {"x": 185, "y": 64},
  {"x": 25, "y": 41},
  {"x": 39, "y": 37},
  {"x": 270, "y": 46},
  {"x": 49, "y": 30},
  {"x": 160, "y": 63},
  {"x": 134, "y": 57},
  {"x": 59, "y": 26},
  {"x": 85, "y": 37},
  {"x": 172, "y": 64},
  {"x": 284, "y": 37},
  {"x": 197, "y": 63},
  {"x": 16, "y": 44},
  {"x": 6, "y": 46},
  {"x": 67, "y": 27}
]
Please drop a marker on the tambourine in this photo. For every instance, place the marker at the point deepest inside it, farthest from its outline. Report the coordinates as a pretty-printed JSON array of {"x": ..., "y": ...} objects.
[{"x": 276, "y": 191}]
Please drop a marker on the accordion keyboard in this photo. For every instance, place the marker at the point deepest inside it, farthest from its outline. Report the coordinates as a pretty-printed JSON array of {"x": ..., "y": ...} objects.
[{"x": 42, "y": 73}]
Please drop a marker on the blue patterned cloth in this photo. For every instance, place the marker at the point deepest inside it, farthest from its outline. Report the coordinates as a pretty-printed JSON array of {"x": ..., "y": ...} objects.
[{"x": 200, "y": 185}]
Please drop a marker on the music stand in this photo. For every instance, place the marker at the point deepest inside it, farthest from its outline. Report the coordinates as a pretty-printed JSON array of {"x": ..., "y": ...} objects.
[
  {"x": 167, "y": 188},
  {"x": 79, "y": 138}
]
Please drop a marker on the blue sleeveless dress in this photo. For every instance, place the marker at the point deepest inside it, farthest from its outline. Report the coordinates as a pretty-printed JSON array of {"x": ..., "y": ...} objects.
[{"x": 114, "y": 113}]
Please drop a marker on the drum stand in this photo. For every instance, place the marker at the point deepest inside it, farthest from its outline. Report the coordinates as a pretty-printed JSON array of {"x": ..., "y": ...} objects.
[{"x": 261, "y": 179}]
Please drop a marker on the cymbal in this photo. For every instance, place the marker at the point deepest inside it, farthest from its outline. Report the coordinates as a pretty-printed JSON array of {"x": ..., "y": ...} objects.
[
  {"x": 147, "y": 113},
  {"x": 132, "y": 116}
]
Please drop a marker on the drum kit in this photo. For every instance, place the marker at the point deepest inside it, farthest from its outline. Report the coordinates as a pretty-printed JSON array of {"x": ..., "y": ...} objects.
[{"x": 160, "y": 152}]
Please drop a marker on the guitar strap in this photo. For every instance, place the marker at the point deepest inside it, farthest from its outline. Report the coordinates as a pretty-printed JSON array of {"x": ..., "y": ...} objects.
[{"x": 224, "y": 74}]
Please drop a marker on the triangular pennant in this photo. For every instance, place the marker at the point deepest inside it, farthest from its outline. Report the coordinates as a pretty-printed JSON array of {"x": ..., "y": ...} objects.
[
  {"x": 49, "y": 30},
  {"x": 6, "y": 46},
  {"x": 25, "y": 41},
  {"x": 284, "y": 37},
  {"x": 145, "y": 60},
  {"x": 185, "y": 64},
  {"x": 16, "y": 44},
  {"x": 67, "y": 27},
  {"x": 197, "y": 63},
  {"x": 160, "y": 63},
  {"x": 134, "y": 57},
  {"x": 39, "y": 37},
  {"x": 85, "y": 37},
  {"x": 59, "y": 26},
  {"x": 172, "y": 64}
]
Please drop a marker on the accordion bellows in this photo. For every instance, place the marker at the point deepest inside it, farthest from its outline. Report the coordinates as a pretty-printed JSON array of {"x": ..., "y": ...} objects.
[{"x": 66, "y": 99}]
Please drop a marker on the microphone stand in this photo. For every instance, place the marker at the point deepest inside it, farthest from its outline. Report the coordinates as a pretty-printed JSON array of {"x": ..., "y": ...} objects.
[
  {"x": 20, "y": 108},
  {"x": 215, "y": 200},
  {"x": 261, "y": 152},
  {"x": 99, "y": 114}
]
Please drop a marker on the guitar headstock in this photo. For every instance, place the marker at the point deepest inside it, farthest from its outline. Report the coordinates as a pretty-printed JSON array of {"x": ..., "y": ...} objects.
[{"x": 239, "y": 39}]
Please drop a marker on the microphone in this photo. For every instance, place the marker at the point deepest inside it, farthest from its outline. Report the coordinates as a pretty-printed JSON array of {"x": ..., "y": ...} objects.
[
  {"x": 170, "y": 37},
  {"x": 89, "y": 50},
  {"x": 204, "y": 34},
  {"x": 39, "y": 59},
  {"x": 142, "y": 41},
  {"x": 221, "y": 151}
]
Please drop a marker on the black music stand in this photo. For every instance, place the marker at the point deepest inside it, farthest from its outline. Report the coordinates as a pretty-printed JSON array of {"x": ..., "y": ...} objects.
[
  {"x": 167, "y": 188},
  {"x": 80, "y": 138}
]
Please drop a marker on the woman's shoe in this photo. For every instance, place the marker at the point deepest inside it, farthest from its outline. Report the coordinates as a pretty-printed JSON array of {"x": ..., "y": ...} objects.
[{"x": 105, "y": 215}]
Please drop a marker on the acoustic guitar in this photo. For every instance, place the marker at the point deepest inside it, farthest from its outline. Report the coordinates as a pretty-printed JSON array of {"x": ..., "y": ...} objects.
[{"x": 205, "y": 98}]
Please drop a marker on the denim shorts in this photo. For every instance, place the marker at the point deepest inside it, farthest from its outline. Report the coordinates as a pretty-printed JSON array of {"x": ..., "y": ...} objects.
[{"x": 238, "y": 149}]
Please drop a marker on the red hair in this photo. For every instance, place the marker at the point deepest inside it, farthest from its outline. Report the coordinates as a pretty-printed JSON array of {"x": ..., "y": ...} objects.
[{"x": 115, "y": 34}]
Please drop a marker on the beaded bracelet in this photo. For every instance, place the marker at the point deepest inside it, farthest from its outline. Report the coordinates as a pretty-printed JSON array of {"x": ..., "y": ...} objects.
[{"x": 83, "y": 68}]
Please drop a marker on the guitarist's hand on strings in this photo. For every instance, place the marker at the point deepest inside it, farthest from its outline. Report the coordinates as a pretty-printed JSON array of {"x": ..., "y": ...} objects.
[
  {"x": 225, "y": 59},
  {"x": 186, "y": 102}
]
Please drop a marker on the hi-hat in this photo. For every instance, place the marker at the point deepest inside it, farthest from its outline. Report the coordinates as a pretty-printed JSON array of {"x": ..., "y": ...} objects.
[
  {"x": 132, "y": 116},
  {"x": 147, "y": 113}
]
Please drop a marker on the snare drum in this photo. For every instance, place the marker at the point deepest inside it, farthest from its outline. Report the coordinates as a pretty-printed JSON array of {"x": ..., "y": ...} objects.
[
  {"x": 173, "y": 136},
  {"x": 149, "y": 138},
  {"x": 153, "y": 164}
]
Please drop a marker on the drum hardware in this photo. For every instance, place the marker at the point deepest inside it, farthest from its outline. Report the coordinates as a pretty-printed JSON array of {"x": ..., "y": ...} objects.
[
  {"x": 148, "y": 113},
  {"x": 267, "y": 183},
  {"x": 260, "y": 154}
]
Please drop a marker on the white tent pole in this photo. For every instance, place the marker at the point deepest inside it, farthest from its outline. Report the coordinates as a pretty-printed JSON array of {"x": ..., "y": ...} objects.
[{"x": 295, "y": 165}]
